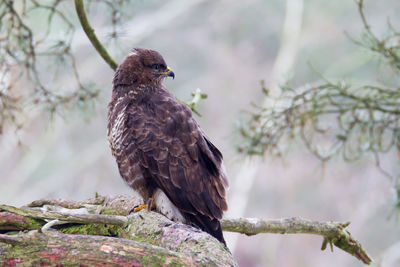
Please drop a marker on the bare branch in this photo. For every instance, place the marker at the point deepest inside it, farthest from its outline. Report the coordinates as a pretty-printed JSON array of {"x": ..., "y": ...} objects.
[
  {"x": 333, "y": 232},
  {"x": 80, "y": 10},
  {"x": 67, "y": 216}
]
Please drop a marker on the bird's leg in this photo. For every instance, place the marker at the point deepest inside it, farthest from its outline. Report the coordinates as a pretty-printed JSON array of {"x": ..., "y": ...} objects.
[{"x": 149, "y": 206}]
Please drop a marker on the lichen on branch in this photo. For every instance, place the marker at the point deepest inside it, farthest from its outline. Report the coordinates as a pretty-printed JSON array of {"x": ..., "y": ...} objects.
[
  {"x": 157, "y": 238},
  {"x": 108, "y": 217}
]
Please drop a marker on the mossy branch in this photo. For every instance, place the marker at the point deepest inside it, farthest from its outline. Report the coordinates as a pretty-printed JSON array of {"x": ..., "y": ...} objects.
[
  {"x": 80, "y": 10},
  {"x": 142, "y": 239},
  {"x": 154, "y": 228},
  {"x": 58, "y": 249}
]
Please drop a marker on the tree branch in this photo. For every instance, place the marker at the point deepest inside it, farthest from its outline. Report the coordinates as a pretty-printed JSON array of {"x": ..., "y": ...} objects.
[
  {"x": 332, "y": 232},
  {"x": 67, "y": 216},
  {"x": 153, "y": 228},
  {"x": 80, "y": 10},
  {"x": 159, "y": 241}
]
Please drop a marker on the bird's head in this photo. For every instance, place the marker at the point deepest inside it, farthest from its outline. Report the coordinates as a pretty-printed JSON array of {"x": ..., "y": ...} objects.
[{"x": 142, "y": 67}]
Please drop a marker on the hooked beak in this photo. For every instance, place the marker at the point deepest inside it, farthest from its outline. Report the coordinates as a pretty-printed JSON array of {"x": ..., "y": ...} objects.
[{"x": 170, "y": 73}]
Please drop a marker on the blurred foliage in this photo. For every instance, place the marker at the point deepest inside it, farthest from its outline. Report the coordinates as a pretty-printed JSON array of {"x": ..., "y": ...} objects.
[
  {"x": 197, "y": 96},
  {"x": 334, "y": 118},
  {"x": 40, "y": 33}
]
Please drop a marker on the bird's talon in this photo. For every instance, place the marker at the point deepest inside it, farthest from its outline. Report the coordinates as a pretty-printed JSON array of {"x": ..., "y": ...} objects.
[{"x": 138, "y": 208}]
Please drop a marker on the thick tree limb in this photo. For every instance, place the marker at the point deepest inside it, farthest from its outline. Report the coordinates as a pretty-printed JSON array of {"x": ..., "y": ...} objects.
[
  {"x": 107, "y": 216},
  {"x": 55, "y": 248},
  {"x": 185, "y": 245}
]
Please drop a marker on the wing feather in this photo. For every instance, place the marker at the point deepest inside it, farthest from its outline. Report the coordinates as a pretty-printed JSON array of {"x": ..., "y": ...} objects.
[{"x": 181, "y": 161}]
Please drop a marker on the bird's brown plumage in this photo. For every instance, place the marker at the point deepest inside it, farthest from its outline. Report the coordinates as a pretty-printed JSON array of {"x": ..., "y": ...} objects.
[{"x": 159, "y": 146}]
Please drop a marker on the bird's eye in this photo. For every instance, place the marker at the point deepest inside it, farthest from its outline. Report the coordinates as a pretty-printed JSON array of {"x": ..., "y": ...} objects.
[{"x": 155, "y": 66}]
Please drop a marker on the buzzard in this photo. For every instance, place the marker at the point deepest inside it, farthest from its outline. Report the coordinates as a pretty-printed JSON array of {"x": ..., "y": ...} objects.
[{"x": 161, "y": 151}]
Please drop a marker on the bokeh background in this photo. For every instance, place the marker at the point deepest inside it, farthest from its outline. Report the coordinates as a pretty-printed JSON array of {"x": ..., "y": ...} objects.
[{"x": 224, "y": 48}]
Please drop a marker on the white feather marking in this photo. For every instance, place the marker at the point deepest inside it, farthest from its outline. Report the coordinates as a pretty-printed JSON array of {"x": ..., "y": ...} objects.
[
  {"x": 132, "y": 53},
  {"x": 116, "y": 132},
  {"x": 166, "y": 207}
]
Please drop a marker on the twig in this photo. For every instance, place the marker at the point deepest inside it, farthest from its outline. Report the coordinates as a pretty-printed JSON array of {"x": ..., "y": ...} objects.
[
  {"x": 50, "y": 224},
  {"x": 80, "y": 10},
  {"x": 197, "y": 96}
]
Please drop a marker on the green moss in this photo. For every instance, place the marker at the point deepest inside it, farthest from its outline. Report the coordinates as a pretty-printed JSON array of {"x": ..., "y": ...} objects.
[
  {"x": 20, "y": 222},
  {"x": 92, "y": 229},
  {"x": 116, "y": 231}
]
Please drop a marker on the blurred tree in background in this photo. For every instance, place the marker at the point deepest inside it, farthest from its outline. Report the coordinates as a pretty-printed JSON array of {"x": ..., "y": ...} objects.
[
  {"x": 26, "y": 43},
  {"x": 335, "y": 119},
  {"x": 35, "y": 55}
]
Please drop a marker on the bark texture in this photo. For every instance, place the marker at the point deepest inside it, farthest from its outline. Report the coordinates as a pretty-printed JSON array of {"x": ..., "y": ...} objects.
[
  {"x": 99, "y": 232},
  {"x": 55, "y": 248}
]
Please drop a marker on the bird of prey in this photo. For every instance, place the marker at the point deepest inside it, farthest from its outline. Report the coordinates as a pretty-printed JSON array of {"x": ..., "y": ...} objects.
[{"x": 161, "y": 151}]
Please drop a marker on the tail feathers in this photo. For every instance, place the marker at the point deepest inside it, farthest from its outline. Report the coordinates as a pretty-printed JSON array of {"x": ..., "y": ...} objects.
[{"x": 211, "y": 226}]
